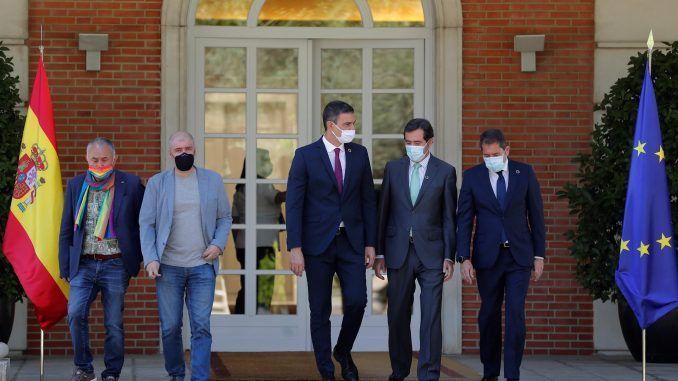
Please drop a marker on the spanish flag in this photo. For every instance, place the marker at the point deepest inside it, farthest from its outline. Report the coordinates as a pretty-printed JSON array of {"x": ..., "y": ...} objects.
[{"x": 31, "y": 241}]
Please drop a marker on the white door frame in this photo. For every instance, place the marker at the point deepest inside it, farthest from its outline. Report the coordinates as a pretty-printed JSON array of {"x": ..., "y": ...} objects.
[{"x": 443, "y": 79}]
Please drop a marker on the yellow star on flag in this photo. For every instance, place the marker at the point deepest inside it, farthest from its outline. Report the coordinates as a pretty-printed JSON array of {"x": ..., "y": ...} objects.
[
  {"x": 624, "y": 246},
  {"x": 660, "y": 153},
  {"x": 640, "y": 148},
  {"x": 665, "y": 241},
  {"x": 643, "y": 249}
]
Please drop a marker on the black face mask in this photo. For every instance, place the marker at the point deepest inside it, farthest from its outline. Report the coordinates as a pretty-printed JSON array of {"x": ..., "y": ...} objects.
[{"x": 184, "y": 162}]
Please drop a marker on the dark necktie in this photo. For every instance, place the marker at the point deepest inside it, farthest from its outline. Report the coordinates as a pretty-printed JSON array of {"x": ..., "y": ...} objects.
[
  {"x": 501, "y": 197},
  {"x": 337, "y": 170}
]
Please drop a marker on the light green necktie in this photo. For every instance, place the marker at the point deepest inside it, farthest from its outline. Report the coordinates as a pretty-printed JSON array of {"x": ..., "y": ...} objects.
[{"x": 415, "y": 183}]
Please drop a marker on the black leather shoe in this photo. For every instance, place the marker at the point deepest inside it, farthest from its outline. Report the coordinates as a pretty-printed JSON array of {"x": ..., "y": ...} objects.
[
  {"x": 490, "y": 378},
  {"x": 513, "y": 379},
  {"x": 349, "y": 372},
  {"x": 395, "y": 377},
  {"x": 328, "y": 378}
]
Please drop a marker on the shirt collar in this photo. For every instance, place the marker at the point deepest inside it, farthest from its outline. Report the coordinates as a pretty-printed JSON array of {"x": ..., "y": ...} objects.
[
  {"x": 329, "y": 147},
  {"x": 424, "y": 163}
]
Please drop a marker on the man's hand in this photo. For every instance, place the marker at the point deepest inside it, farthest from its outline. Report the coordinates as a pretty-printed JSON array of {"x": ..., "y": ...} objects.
[
  {"x": 467, "y": 271},
  {"x": 66, "y": 279},
  {"x": 153, "y": 269},
  {"x": 297, "y": 261},
  {"x": 211, "y": 253},
  {"x": 448, "y": 270},
  {"x": 538, "y": 269},
  {"x": 369, "y": 256},
  {"x": 379, "y": 268}
]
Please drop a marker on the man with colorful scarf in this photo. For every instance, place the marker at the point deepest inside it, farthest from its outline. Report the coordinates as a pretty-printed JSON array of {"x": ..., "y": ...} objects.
[{"x": 99, "y": 250}]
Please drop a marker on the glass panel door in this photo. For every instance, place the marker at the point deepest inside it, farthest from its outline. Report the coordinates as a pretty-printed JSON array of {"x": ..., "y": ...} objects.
[
  {"x": 251, "y": 108},
  {"x": 383, "y": 81}
]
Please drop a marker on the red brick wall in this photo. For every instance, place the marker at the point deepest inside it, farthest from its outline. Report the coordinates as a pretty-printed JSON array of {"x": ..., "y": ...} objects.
[
  {"x": 121, "y": 102},
  {"x": 546, "y": 116}
]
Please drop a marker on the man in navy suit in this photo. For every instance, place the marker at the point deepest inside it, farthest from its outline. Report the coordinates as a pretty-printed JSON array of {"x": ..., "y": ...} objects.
[
  {"x": 99, "y": 250},
  {"x": 416, "y": 243},
  {"x": 502, "y": 196},
  {"x": 332, "y": 229}
]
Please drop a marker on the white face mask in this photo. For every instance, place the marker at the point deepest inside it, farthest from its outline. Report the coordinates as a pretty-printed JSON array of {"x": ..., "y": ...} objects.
[
  {"x": 346, "y": 136},
  {"x": 494, "y": 163},
  {"x": 415, "y": 153}
]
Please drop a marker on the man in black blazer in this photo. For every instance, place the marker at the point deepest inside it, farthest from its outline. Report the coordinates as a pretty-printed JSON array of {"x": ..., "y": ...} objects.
[
  {"x": 502, "y": 196},
  {"x": 332, "y": 229},
  {"x": 416, "y": 242},
  {"x": 99, "y": 250}
]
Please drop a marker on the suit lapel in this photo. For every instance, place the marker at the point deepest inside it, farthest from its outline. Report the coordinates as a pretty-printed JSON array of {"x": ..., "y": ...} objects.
[
  {"x": 487, "y": 186},
  {"x": 429, "y": 175},
  {"x": 405, "y": 171},
  {"x": 322, "y": 151},
  {"x": 169, "y": 188},
  {"x": 349, "y": 166},
  {"x": 513, "y": 176},
  {"x": 203, "y": 189},
  {"x": 119, "y": 194}
]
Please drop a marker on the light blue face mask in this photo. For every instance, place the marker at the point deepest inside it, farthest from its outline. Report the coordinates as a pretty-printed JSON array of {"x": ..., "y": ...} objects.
[
  {"x": 494, "y": 163},
  {"x": 415, "y": 153}
]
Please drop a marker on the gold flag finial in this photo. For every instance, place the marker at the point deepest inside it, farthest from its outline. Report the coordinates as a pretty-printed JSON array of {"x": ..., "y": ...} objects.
[{"x": 650, "y": 41}]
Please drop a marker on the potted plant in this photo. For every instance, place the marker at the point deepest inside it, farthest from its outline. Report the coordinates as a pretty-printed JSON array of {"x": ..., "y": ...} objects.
[
  {"x": 11, "y": 126},
  {"x": 598, "y": 198}
]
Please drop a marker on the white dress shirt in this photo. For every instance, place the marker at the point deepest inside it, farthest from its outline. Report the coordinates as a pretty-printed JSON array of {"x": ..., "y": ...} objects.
[
  {"x": 329, "y": 147},
  {"x": 494, "y": 177},
  {"x": 422, "y": 169}
]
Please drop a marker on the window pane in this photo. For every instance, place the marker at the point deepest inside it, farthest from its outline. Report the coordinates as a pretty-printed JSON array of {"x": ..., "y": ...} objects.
[
  {"x": 225, "y": 156},
  {"x": 234, "y": 253},
  {"x": 270, "y": 201},
  {"x": 225, "y": 113},
  {"x": 272, "y": 252},
  {"x": 384, "y": 150},
  {"x": 225, "y": 67},
  {"x": 277, "y": 294},
  {"x": 274, "y": 157},
  {"x": 277, "y": 68},
  {"x": 391, "y": 112},
  {"x": 341, "y": 69},
  {"x": 222, "y": 12},
  {"x": 277, "y": 113},
  {"x": 355, "y": 100},
  {"x": 379, "y": 298},
  {"x": 401, "y": 13},
  {"x": 393, "y": 68},
  {"x": 229, "y": 296},
  {"x": 326, "y": 13}
]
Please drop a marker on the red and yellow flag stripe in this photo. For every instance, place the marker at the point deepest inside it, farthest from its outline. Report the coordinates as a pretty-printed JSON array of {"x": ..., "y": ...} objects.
[{"x": 31, "y": 241}]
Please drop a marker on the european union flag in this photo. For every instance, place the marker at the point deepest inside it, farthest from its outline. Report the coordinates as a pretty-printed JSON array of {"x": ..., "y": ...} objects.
[{"x": 648, "y": 270}]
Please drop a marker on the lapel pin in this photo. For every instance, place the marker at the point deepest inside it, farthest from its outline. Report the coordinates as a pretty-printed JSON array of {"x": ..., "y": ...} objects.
[
  {"x": 426, "y": 177},
  {"x": 349, "y": 150},
  {"x": 517, "y": 171}
]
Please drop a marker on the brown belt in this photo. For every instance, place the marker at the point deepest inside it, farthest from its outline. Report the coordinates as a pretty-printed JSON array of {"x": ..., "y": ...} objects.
[{"x": 101, "y": 257}]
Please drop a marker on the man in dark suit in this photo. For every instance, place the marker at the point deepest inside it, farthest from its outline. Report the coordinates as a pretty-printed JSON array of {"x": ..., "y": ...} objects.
[
  {"x": 503, "y": 197},
  {"x": 99, "y": 250},
  {"x": 332, "y": 228},
  {"x": 416, "y": 242}
]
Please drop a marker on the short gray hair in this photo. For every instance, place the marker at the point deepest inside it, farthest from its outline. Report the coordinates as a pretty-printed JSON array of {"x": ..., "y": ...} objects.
[
  {"x": 179, "y": 135},
  {"x": 101, "y": 142}
]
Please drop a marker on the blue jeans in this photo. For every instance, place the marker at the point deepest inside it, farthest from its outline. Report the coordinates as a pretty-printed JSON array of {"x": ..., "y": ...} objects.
[
  {"x": 196, "y": 286},
  {"x": 111, "y": 279}
]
